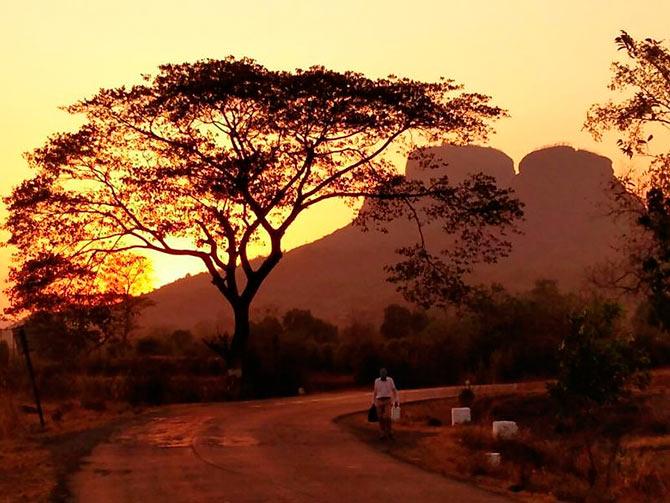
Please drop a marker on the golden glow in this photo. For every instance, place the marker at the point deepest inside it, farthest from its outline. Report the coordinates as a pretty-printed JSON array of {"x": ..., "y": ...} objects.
[{"x": 544, "y": 61}]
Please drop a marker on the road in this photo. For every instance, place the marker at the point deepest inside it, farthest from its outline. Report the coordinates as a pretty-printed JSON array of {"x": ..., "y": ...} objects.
[{"x": 282, "y": 450}]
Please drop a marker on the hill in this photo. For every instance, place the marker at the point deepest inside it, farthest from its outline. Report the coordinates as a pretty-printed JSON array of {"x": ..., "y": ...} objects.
[{"x": 566, "y": 230}]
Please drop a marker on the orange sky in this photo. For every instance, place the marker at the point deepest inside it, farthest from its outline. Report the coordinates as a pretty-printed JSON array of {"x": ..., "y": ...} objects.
[{"x": 544, "y": 61}]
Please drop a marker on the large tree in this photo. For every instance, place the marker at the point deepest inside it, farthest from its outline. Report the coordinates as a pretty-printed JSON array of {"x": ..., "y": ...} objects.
[
  {"x": 213, "y": 159},
  {"x": 641, "y": 118}
]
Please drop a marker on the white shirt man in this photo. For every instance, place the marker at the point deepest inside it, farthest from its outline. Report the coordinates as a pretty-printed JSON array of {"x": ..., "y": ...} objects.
[
  {"x": 385, "y": 388},
  {"x": 384, "y": 392}
]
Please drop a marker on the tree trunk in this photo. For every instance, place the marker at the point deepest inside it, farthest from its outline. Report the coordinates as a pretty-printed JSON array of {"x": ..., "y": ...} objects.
[{"x": 239, "y": 342}]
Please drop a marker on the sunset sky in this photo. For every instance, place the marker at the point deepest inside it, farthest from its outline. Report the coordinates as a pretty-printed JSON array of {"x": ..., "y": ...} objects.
[{"x": 546, "y": 62}]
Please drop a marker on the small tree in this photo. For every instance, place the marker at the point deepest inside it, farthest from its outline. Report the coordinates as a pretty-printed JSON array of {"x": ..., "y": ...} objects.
[
  {"x": 598, "y": 365},
  {"x": 217, "y": 159},
  {"x": 68, "y": 308},
  {"x": 598, "y": 368}
]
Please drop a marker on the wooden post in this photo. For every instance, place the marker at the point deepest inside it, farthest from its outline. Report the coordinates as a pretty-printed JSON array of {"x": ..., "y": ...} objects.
[{"x": 23, "y": 340}]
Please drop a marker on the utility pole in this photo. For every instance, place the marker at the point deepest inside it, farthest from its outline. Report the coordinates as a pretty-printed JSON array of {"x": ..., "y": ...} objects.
[{"x": 20, "y": 333}]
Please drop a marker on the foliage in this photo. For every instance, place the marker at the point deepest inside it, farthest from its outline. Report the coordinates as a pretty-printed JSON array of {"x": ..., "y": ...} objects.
[
  {"x": 216, "y": 159},
  {"x": 68, "y": 309},
  {"x": 476, "y": 215},
  {"x": 598, "y": 366},
  {"x": 150, "y": 346},
  {"x": 516, "y": 336},
  {"x": 643, "y": 80},
  {"x": 592, "y": 464},
  {"x": 64, "y": 335},
  {"x": 401, "y": 322},
  {"x": 655, "y": 266},
  {"x": 302, "y": 324},
  {"x": 181, "y": 342},
  {"x": 649, "y": 337},
  {"x": 499, "y": 336}
]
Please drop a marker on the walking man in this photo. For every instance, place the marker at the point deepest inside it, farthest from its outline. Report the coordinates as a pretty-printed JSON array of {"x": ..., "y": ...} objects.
[{"x": 385, "y": 394}]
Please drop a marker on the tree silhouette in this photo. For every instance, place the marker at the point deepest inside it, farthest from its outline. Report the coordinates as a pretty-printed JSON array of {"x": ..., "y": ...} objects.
[
  {"x": 217, "y": 158},
  {"x": 644, "y": 81},
  {"x": 69, "y": 307}
]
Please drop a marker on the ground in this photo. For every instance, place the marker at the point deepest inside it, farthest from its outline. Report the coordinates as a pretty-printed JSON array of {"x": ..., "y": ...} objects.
[{"x": 35, "y": 463}]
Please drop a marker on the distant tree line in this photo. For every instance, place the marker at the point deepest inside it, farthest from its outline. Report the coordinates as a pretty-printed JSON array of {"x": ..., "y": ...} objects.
[{"x": 497, "y": 336}]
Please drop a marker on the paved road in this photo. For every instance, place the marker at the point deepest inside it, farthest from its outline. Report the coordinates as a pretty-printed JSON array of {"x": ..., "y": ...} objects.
[{"x": 284, "y": 450}]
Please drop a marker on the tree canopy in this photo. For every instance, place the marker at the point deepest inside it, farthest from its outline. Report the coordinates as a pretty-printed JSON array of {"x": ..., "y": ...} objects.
[
  {"x": 643, "y": 82},
  {"x": 215, "y": 158},
  {"x": 641, "y": 118}
]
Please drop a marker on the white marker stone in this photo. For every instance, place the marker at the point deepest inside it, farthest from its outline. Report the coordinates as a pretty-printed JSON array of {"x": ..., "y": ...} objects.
[
  {"x": 505, "y": 429},
  {"x": 493, "y": 458},
  {"x": 460, "y": 415}
]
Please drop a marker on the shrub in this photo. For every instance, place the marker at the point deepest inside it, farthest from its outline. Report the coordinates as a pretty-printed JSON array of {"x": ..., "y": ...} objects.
[
  {"x": 56, "y": 385},
  {"x": 466, "y": 396},
  {"x": 150, "y": 346},
  {"x": 146, "y": 389},
  {"x": 597, "y": 364},
  {"x": 181, "y": 342}
]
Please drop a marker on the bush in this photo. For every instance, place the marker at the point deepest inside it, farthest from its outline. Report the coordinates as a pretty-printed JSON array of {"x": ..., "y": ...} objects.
[
  {"x": 146, "y": 389},
  {"x": 150, "y": 346},
  {"x": 597, "y": 364},
  {"x": 56, "y": 385},
  {"x": 182, "y": 342}
]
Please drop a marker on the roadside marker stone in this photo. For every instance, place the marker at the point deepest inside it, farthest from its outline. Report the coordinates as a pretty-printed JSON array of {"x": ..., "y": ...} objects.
[
  {"x": 505, "y": 429},
  {"x": 460, "y": 415},
  {"x": 493, "y": 458}
]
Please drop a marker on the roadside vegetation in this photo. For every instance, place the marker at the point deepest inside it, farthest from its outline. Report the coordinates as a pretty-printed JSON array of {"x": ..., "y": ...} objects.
[
  {"x": 627, "y": 458},
  {"x": 597, "y": 432}
]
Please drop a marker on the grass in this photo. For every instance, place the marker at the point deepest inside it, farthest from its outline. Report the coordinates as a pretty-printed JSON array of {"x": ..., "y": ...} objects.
[{"x": 35, "y": 463}]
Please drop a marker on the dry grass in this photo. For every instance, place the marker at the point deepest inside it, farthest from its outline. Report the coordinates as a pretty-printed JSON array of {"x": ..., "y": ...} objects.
[
  {"x": 9, "y": 416},
  {"x": 26, "y": 470},
  {"x": 34, "y": 463}
]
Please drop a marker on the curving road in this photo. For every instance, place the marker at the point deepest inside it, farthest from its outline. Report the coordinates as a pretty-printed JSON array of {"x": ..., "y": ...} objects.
[{"x": 283, "y": 450}]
